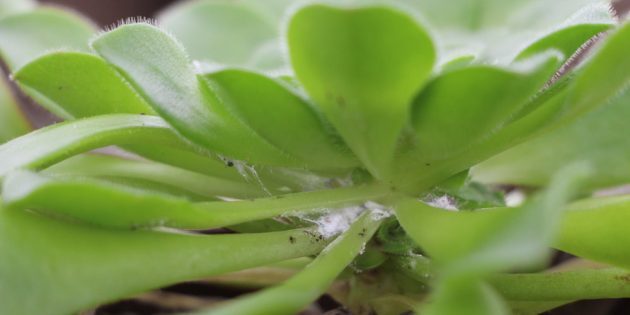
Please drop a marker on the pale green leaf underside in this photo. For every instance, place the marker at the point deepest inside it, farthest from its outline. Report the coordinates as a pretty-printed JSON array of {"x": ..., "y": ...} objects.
[
  {"x": 361, "y": 66},
  {"x": 49, "y": 262}
]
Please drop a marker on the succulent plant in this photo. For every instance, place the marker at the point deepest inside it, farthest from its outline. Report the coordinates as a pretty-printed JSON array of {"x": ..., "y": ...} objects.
[{"x": 355, "y": 135}]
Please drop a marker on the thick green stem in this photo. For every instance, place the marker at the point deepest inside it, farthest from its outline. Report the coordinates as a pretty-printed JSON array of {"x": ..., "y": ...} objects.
[
  {"x": 123, "y": 170},
  {"x": 568, "y": 285},
  {"x": 117, "y": 206},
  {"x": 578, "y": 284},
  {"x": 66, "y": 267},
  {"x": 314, "y": 280},
  {"x": 52, "y": 144}
]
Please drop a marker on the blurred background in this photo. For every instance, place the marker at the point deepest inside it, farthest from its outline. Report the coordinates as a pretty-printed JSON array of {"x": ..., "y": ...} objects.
[{"x": 110, "y": 11}]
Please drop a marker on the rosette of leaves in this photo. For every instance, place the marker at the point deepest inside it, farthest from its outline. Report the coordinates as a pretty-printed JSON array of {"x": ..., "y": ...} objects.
[{"x": 371, "y": 110}]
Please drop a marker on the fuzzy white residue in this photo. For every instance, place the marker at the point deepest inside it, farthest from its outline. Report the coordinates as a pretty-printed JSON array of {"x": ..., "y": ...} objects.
[
  {"x": 331, "y": 222},
  {"x": 443, "y": 202},
  {"x": 336, "y": 221},
  {"x": 515, "y": 198},
  {"x": 378, "y": 211},
  {"x": 307, "y": 180},
  {"x": 363, "y": 248}
]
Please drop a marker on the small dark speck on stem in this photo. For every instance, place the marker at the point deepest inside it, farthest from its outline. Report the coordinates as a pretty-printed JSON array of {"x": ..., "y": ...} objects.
[
  {"x": 624, "y": 278},
  {"x": 230, "y": 163},
  {"x": 362, "y": 233},
  {"x": 341, "y": 101},
  {"x": 292, "y": 239}
]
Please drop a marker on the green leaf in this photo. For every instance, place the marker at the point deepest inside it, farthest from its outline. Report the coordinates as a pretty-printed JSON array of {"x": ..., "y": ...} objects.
[
  {"x": 49, "y": 262},
  {"x": 601, "y": 84},
  {"x": 177, "y": 181},
  {"x": 464, "y": 296},
  {"x": 596, "y": 229},
  {"x": 362, "y": 66},
  {"x": 25, "y": 36},
  {"x": 305, "y": 287},
  {"x": 457, "y": 63},
  {"x": 459, "y": 109},
  {"x": 117, "y": 206},
  {"x": 225, "y": 32},
  {"x": 281, "y": 117},
  {"x": 490, "y": 239},
  {"x": 567, "y": 40},
  {"x": 418, "y": 169},
  {"x": 52, "y": 144},
  {"x": 161, "y": 72},
  {"x": 602, "y": 142},
  {"x": 12, "y": 121},
  {"x": 81, "y": 85},
  {"x": 466, "y": 246},
  {"x": 604, "y": 76}
]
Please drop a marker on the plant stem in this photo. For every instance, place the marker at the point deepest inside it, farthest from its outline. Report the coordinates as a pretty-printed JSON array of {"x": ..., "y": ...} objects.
[
  {"x": 566, "y": 285},
  {"x": 576, "y": 284},
  {"x": 314, "y": 280},
  {"x": 117, "y": 206}
]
